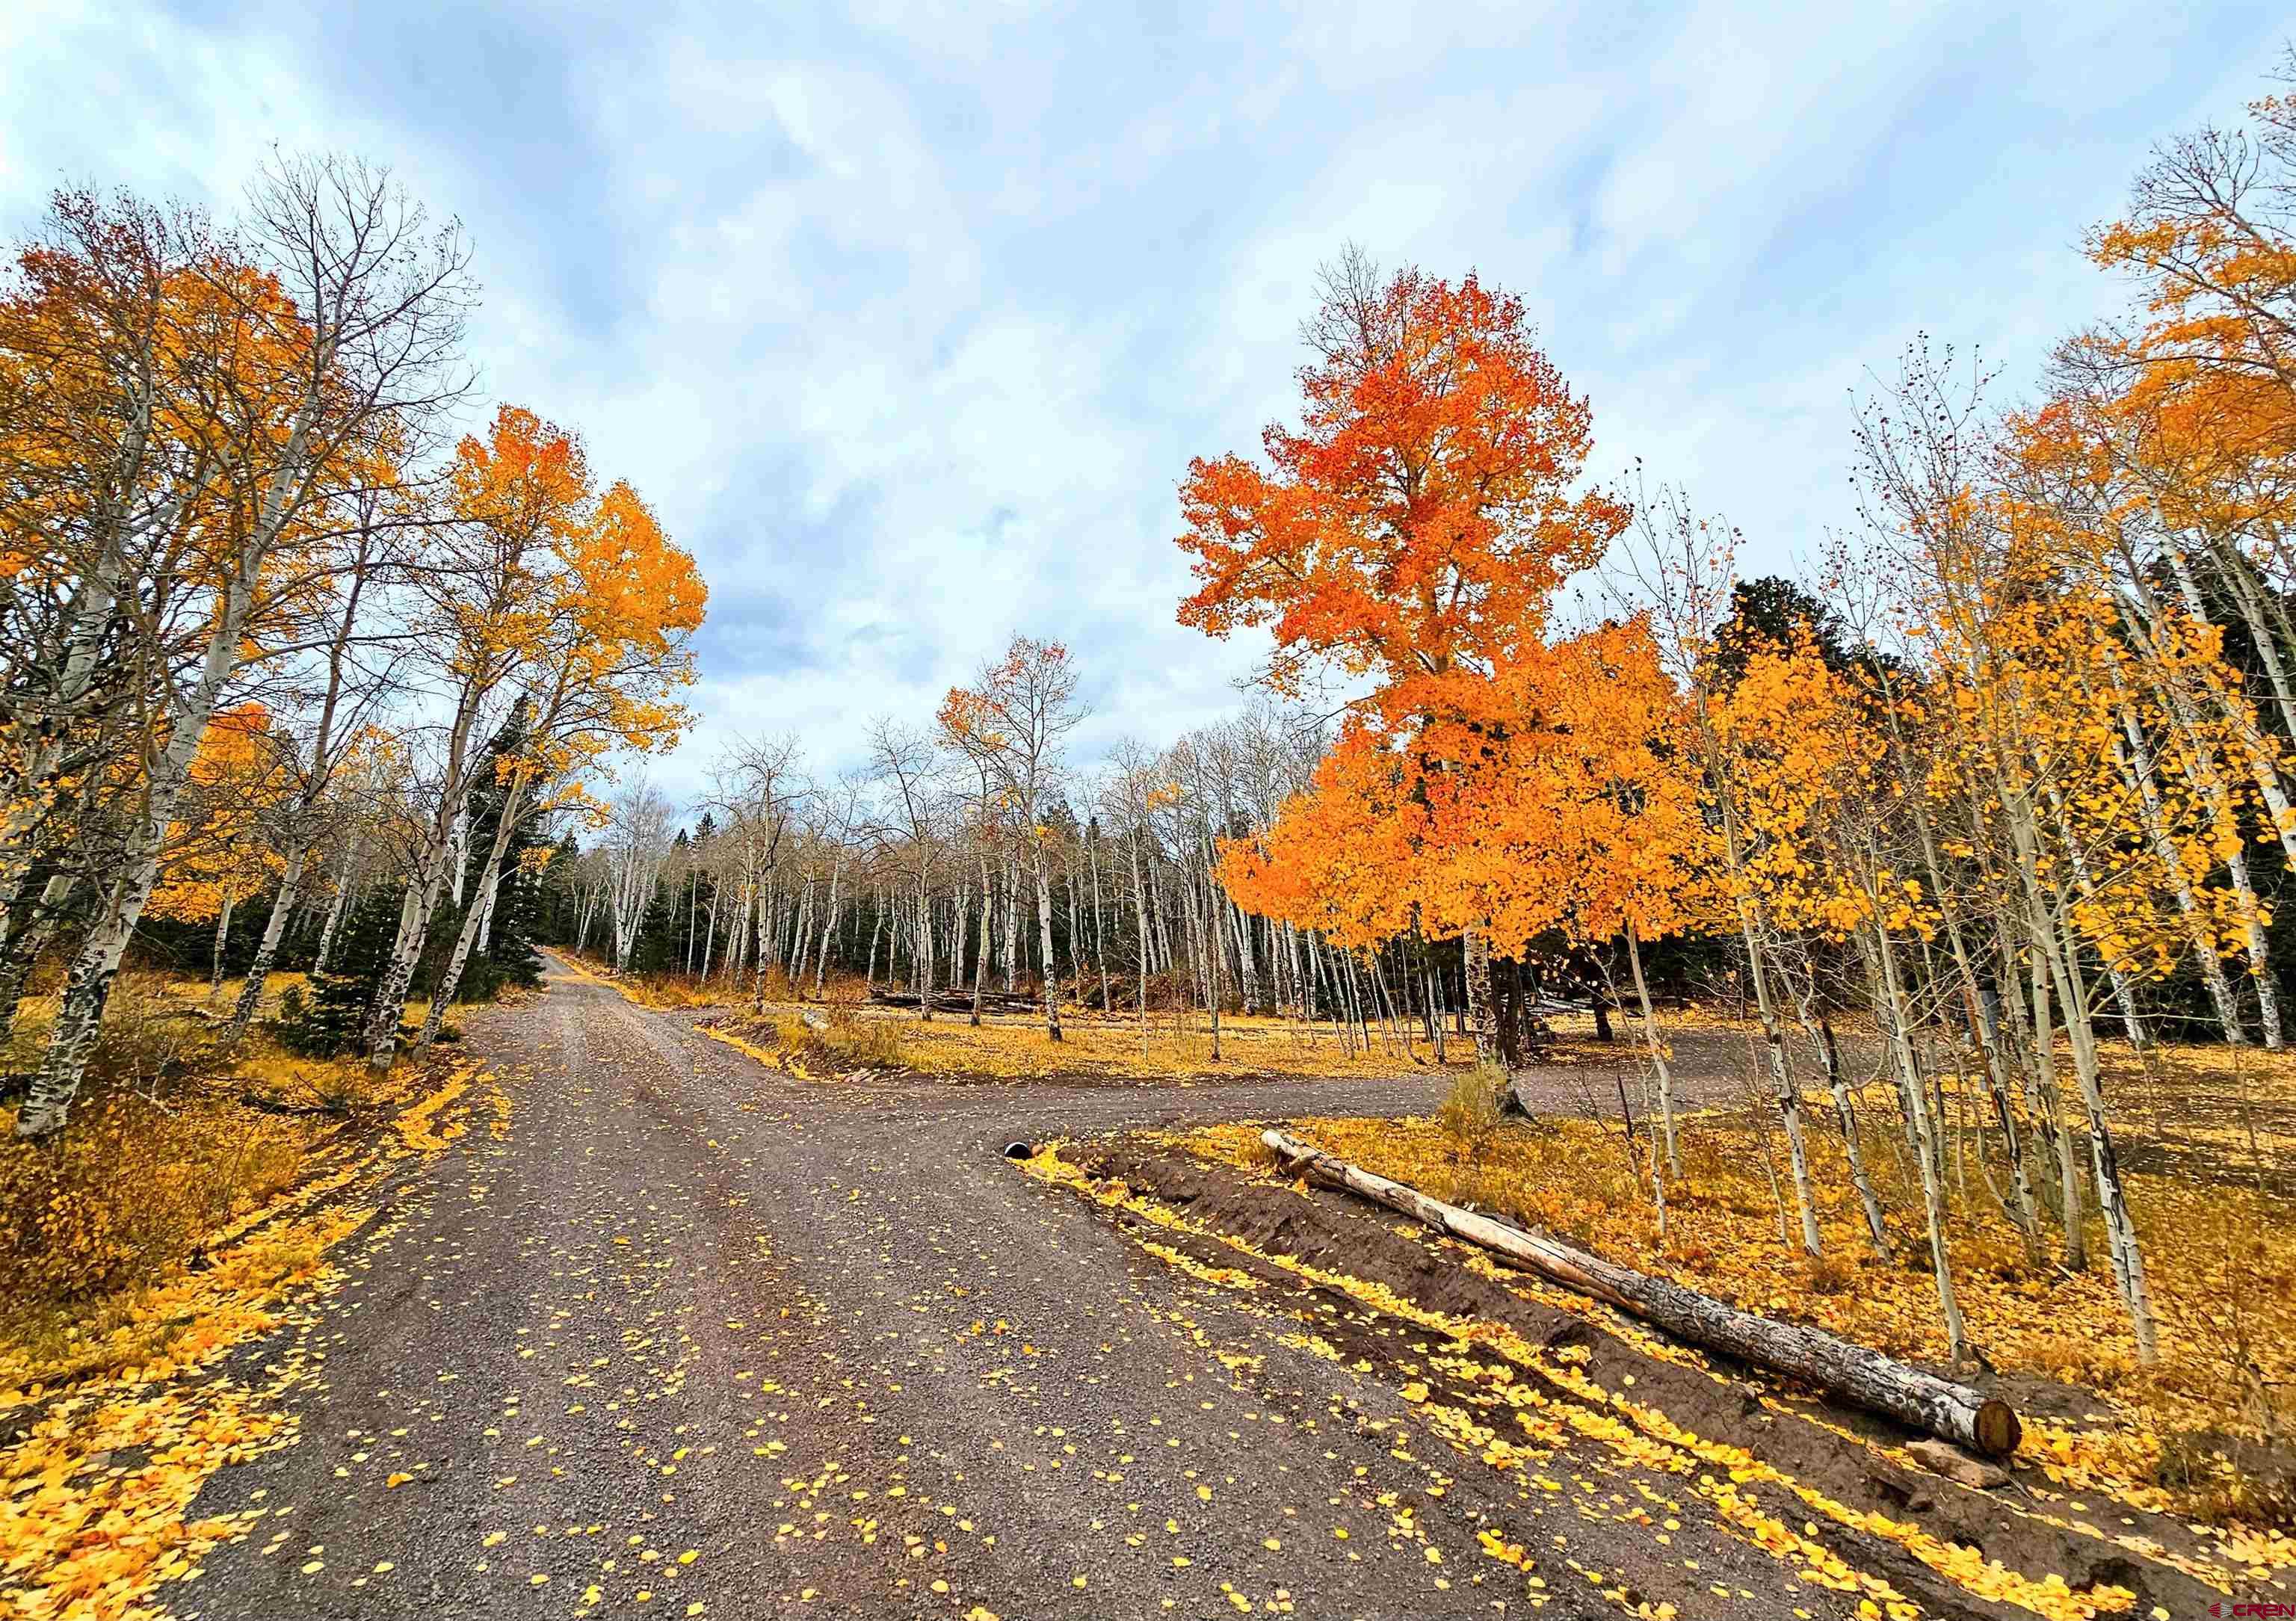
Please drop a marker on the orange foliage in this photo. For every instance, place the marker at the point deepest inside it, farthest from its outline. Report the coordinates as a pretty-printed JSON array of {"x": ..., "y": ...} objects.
[
  {"x": 218, "y": 852},
  {"x": 588, "y": 604},
  {"x": 1413, "y": 532},
  {"x": 1578, "y": 814},
  {"x": 1415, "y": 524}
]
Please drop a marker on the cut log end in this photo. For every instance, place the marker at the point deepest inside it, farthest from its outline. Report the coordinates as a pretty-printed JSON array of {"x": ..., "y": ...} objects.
[{"x": 1998, "y": 1429}]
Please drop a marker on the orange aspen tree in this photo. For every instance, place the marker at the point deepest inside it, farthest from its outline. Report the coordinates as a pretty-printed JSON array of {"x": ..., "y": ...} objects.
[
  {"x": 510, "y": 498},
  {"x": 1408, "y": 535},
  {"x": 1636, "y": 854},
  {"x": 606, "y": 641}
]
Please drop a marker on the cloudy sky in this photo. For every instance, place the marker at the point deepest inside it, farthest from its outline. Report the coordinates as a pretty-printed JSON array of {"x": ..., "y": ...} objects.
[{"x": 907, "y": 318}]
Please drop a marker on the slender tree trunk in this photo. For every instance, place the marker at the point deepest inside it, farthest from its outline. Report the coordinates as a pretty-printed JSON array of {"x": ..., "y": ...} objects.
[
  {"x": 221, "y": 941},
  {"x": 828, "y": 926},
  {"x": 1075, "y": 935},
  {"x": 2061, "y": 1137},
  {"x": 1212, "y": 928},
  {"x": 506, "y": 824},
  {"x": 1803, "y": 988},
  {"x": 389, "y": 1007},
  {"x": 1481, "y": 1014},
  {"x": 1099, "y": 932},
  {"x": 1890, "y": 1000},
  {"x": 924, "y": 947},
  {"x": 88, "y": 984},
  {"x": 2119, "y": 1228},
  {"x": 1045, "y": 931},
  {"x": 987, "y": 914},
  {"x": 1659, "y": 1067},
  {"x": 79, "y": 1014},
  {"x": 2136, "y": 766},
  {"x": 267, "y": 950},
  {"x": 1012, "y": 927},
  {"x": 31, "y": 924},
  {"x": 1140, "y": 903}
]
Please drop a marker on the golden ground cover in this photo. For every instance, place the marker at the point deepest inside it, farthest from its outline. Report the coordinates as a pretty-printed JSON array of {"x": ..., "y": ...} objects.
[
  {"x": 1642, "y": 1435},
  {"x": 189, "y": 1208},
  {"x": 2195, "y": 1432},
  {"x": 1015, "y": 1046},
  {"x": 1179, "y": 1049}
]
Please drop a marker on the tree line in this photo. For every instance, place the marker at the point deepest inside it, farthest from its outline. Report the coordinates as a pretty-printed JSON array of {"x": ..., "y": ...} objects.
[{"x": 969, "y": 865}]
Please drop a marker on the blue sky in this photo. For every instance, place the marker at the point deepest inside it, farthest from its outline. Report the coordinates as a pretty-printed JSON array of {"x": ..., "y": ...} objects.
[{"x": 907, "y": 318}]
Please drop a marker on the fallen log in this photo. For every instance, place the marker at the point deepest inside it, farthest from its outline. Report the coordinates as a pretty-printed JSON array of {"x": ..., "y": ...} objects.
[
  {"x": 1880, "y": 1384},
  {"x": 960, "y": 1001}
]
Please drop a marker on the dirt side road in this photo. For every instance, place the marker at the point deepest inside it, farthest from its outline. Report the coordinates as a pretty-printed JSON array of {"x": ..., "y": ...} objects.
[{"x": 694, "y": 1338}]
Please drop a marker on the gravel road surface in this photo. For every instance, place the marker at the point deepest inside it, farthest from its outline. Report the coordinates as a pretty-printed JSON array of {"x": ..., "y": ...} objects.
[{"x": 695, "y": 1338}]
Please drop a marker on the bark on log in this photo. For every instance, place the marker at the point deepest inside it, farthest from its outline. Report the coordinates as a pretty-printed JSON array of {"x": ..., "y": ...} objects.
[
  {"x": 959, "y": 1002},
  {"x": 1880, "y": 1384}
]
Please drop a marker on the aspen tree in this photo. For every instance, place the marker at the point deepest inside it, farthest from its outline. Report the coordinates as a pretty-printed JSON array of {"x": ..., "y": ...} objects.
[{"x": 342, "y": 311}]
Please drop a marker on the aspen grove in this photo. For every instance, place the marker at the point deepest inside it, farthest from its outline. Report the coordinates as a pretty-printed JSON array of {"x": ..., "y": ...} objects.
[
  {"x": 2005, "y": 780},
  {"x": 277, "y": 639},
  {"x": 301, "y": 678}
]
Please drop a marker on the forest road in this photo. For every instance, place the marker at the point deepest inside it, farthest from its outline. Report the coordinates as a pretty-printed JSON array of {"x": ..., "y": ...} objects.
[{"x": 695, "y": 1338}]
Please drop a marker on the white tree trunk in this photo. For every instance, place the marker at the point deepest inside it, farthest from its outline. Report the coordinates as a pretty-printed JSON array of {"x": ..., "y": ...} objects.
[
  {"x": 1044, "y": 932},
  {"x": 267, "y": 950},
  {"x": 1890, "y": 1000}
]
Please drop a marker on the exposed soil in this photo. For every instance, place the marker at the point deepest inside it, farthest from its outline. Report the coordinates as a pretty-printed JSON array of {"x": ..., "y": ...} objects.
[{"x": 1718, "y": 1401}]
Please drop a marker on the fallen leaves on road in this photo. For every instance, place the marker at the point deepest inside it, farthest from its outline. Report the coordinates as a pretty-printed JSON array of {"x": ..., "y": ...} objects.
[{"x": 99, "y": 1489}]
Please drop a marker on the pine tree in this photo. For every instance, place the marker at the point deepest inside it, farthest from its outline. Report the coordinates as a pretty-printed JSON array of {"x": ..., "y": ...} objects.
[
  {"x": 654, "y": 951},
  {"x": 554, "y": 903},
  {"x": 505, "y": 954},
  {"x": 326, "y": 1019}
]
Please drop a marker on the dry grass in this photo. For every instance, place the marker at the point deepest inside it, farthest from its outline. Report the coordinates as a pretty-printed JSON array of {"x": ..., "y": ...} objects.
[
  {"x": 849, "y": 1040},
  {"x": 171, "y": 1143},
  {"x": 1470, "y": 1113},
  {"x": 2208, "y": 1425},
  {"x": 1015, "y": 1046}
]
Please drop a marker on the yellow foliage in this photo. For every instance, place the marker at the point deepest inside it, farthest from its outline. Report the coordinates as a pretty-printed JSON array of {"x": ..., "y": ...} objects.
[
  {"x": 251, "y": 1168},
  {"x": 132, "y": 1188},
  {"x": 2225, "y": 1282}
]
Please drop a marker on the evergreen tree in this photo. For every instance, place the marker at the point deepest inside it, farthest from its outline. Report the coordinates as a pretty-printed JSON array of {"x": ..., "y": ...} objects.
[
  {"x": 506, "y": 956},
  {"x": 328, "y": 1018},
  {"x": 553, "y": 892},
  {"x": 655, "y": 948}
]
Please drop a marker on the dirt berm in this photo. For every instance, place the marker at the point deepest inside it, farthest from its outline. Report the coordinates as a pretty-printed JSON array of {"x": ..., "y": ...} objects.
[{"x": 1835, "y": 1450}]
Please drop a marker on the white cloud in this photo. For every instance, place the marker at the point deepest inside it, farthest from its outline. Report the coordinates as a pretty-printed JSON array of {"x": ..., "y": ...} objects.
[{"x": 908, "y": 321}]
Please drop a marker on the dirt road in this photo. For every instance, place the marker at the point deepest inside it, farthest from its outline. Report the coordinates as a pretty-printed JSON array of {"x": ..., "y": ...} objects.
[{"x": 696, "y": 1339}]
